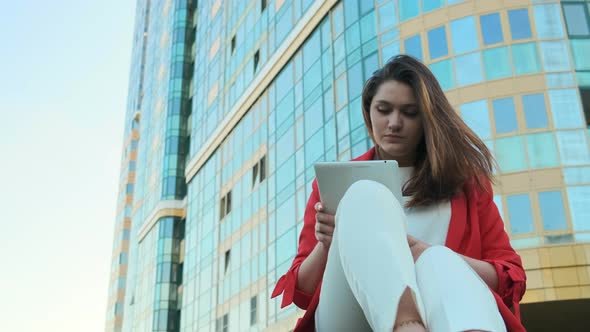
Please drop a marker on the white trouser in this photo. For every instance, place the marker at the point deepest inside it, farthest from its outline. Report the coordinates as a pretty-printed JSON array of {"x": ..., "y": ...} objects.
[{"x": 370, "y": 265}]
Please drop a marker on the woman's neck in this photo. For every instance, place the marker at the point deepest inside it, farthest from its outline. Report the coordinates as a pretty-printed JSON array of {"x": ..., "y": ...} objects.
[{"x": 402, "y": 162}]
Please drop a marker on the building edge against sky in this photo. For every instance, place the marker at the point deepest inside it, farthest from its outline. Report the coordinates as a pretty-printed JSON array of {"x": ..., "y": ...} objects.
[{"x": 231, "y": 102}]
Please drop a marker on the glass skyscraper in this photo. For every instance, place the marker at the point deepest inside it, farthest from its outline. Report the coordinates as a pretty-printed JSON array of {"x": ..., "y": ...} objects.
[{"x": 231, "y": 102}]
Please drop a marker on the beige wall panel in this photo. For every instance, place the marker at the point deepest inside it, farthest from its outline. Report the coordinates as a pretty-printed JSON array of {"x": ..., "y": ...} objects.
[
  {"x": 568, "y": 293},
  {"x": 565, "y": 276},
  {"x": 562, "y": 256}
]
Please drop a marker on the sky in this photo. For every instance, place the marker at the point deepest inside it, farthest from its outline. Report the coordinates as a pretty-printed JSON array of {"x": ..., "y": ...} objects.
[{"x": 64, "y": 70}]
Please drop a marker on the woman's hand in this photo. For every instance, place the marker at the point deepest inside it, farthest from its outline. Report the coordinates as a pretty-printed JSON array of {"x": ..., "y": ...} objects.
[
  {"x": 324, "y": 226},
  {"x": 417, "y": 247}
]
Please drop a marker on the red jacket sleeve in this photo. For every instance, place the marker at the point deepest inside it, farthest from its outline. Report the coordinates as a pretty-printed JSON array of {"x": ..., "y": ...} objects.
[
  {"x": 287, "y": 284},
  {"x": 496, "y": 250}
]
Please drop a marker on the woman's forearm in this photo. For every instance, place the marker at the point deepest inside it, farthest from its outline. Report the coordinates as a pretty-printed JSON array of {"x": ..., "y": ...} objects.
[
  {"x": 485, "y": 270},
  {"x": 312, "y": 269}
]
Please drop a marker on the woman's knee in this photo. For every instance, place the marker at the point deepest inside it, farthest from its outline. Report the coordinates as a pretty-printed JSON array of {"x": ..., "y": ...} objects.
[{"x": 369, "y": 195}]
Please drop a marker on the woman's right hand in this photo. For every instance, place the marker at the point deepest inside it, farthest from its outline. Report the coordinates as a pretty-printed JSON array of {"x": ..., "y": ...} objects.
[{"x": 324, "y": 226}]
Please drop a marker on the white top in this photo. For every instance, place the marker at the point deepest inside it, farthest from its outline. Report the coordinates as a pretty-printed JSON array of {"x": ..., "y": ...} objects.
[{"x": 429, "y": 224}]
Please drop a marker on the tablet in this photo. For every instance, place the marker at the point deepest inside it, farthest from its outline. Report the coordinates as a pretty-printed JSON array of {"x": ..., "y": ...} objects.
[{"x": 334, "y": 178}]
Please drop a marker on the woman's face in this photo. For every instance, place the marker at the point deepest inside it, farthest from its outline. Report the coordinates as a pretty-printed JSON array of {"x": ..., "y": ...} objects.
[{"x": 396, "y": 122}]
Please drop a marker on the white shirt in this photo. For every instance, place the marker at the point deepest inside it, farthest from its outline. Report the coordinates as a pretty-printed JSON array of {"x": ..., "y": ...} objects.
[{"x": 429, "y": 224}]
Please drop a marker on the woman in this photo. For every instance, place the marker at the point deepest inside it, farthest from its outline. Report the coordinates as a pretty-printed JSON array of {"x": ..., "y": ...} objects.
[{"x": 463, "y": 259}]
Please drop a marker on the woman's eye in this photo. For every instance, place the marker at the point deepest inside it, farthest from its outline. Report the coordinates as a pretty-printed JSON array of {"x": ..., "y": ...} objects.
[{"x": 411, "y": 113}]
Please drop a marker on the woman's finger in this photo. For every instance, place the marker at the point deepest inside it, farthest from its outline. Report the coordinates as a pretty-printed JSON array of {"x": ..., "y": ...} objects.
[
  {"x": 325, "y": 218},
  {"x": 323, "y": 228}
]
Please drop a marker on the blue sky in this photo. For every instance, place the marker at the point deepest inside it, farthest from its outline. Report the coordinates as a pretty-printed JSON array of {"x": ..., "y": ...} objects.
[{"x": 64, "y": 68}]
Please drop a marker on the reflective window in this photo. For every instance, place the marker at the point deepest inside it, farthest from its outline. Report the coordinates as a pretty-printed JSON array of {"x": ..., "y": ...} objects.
[
  {"x": 573, "y": 147},
  {"x": 429, "y": 5},
  {"x": 443, "y": 71},
  {"x": 408, "y": 9},
  {"x": 560, "y": 80},
  {"x": 341, "y": 92},
  {"x": 520, "y": 25},
  {"x": 437, "y": 43},
  {"x": 504, "y": 115},
  {"x": 535, "y": 112},
  {"x": 576, "y": 175},
  {"x": 355, "y": 80},
  {"x": 542, "y": 150},
  {"x": 576, "y": 19},
  {"x": 286, "y": 246},
  {"x": 498, "y": 202},
  {"x": 351, "y": 12},
  {"x": 491, "y": 29},
  {"x": 520, "y": 213},
  {"x": 579, "y": 200},
  {"x": 552, "y": 53},
  {"x": 468, "y": 69},
  {"x": 548, "y": 21},
  {"x": 497, "y": 63},
  {"x": 566, "y": 109},
  {"x": 464, "y": 35},
  {"x": 389, "y": 51},
  {"x": 510, "y": 154},
  {"x": 475, "y": 115},
  {"x": 387, "y": 16},
  {"x": 552, "y": 211},
  {"x": 525, "y": 58},
  {"x": 337, "y": 20},
  {"x": 367, "y": 23},
  {"x": 413, "y": 46},
  {"x": 581, "y": 53}
]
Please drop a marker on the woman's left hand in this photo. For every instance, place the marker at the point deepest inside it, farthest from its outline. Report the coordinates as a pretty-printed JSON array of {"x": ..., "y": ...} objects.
[{"x": 417, "y": 247}]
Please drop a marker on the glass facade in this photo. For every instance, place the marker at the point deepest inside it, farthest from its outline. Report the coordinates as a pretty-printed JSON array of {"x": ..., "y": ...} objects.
[{"x": 231, "y": 103}]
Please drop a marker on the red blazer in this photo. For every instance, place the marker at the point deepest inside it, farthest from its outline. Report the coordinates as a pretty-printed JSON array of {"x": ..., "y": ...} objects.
[{"x": 476, "y": 230}]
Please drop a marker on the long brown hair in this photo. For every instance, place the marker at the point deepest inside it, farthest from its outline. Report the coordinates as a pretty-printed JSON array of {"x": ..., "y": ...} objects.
[{"x": 450, "y": 153}]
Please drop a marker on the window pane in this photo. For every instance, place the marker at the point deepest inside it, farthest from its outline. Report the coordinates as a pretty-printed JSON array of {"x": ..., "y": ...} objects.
[
  {"x": 497, "y": 63},
  {"x": 535, "y": 112},
  {"x": 521, "y": 217},
  {"x": 429, "y": 5},
  {"x": 368, "y": 27},
  {"x": 464, "y": 35},
  {"x": 576, "y": 175},
  {"x": 389, "y": 51},
  {"x": 579, "y": 200},
  {"x": 437, "y": 43},
  {"x": 525, "y": 58},
  {"x": 560, "y": 80},
  {"x": 491, "y": 29},
  {"x": 498, "y": 202},
  {"x": 552, "y": 211},
  {"x": 542, "y": 150},
  {"x": 505, "y": 115},
  {"x": 573, "y": 147},
  {"x": 581, "y": 52},
  {"x": 408, "y": 9},
  {"x": 520, "y": 26},
  {"x": 413, "y": 46},
  {"x": 475, "y": 115},
  {"x": 510, "y": 154},
  {"x": 554, "y": 54},
  {"x": 286, "y": 246},
  {"x": 443, "y": 71},
  {"x": 566, "y": 109},
  {"x": 575, "y": 19},
  {"x": 468, "y": 69},
  {"x": 548, "y": 21},
  {"x": 387, "y": 16}
]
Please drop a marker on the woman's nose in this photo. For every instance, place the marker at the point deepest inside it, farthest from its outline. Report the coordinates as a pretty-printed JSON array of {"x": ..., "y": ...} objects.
[{"x": 394, "y": 121}]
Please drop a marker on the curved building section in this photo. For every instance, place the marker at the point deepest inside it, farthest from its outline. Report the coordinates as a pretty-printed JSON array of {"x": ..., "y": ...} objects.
[{"x": 275, "y": 87}]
